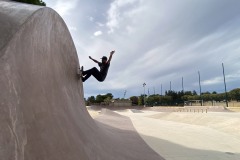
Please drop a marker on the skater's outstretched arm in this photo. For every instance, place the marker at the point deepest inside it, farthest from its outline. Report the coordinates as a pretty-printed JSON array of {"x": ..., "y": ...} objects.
[
  {"x": 93, "y": 60},
  {"x": 110, "y": 57}
]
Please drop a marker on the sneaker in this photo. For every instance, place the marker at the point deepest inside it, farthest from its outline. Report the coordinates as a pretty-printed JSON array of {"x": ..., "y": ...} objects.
[
  {"x": 81, "y": 69},
  {"x": 79, "y": 73},
  {"x": 83, "y": 80}
]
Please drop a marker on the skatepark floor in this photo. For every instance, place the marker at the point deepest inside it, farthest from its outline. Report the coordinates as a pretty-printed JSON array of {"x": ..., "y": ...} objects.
[{"x": 187, "y": 136}]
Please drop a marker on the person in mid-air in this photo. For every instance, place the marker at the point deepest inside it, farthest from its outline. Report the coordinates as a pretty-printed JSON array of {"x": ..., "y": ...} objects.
[{"x": 99, "y": 75}]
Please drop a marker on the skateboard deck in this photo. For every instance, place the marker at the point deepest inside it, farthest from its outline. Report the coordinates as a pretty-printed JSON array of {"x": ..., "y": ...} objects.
[{"x": 79, "y": 72}]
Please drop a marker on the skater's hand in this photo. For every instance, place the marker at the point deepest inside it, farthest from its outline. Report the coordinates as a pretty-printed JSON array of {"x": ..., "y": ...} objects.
[
  {"x": 110, "y": 57},
  {"x": 90, "y": 57},
  {"x": 112, "y": 52}
]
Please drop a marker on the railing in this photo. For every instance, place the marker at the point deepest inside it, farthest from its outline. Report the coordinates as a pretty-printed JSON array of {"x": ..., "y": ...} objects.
[{"x": 194, "y": 110}]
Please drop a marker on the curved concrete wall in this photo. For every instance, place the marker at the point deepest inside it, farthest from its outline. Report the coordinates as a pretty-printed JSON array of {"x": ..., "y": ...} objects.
[
  {"x": 12, "y": 16},
  {"x": 40, "y": 96},
  {"x": 42, "y": 111}
]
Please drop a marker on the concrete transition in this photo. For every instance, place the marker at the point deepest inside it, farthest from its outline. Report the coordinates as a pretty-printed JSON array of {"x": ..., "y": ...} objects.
[{"x": 42, "y": 111}]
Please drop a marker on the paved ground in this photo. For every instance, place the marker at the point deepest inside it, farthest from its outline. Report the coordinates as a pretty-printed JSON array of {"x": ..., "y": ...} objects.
[
  {"x": 189, "y": 136},
  {"x": 122, "y": 136}
]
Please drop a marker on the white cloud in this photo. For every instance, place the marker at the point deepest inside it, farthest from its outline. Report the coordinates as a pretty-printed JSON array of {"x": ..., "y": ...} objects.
[
  {"x": 113, "y": 18},
  {"x": 100, "y": 24},
  {"x": 98, "y": 33},
  {"x": 72, "y": 28},
  {"x": 119, "y": 10},
  {"x": 64, "y": 7},
  {"x": 91, "y": 19},
  {"x": 130, "y": 29},
  {"x": 213, "y": 81},
  {"x": 157, "y": 41},
  {"x": 233, "y": 77}
]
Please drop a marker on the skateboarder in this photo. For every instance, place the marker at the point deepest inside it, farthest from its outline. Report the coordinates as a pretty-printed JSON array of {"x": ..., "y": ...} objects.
[{"x": 99, "y": 75}]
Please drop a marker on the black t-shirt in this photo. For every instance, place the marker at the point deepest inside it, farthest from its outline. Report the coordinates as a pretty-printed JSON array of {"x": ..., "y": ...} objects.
[{"x": 104, "y": 69}]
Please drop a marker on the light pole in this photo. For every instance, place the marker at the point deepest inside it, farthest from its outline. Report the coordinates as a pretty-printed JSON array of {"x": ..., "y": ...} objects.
[
  {"x": 161, "y": 89},
  {"x": 226, "y": 97},
  {"x": 144, "y": 84},
  {"x": 124, "y": 94},
  {"x": 161, "y": 95},
  {"x": 182, "y": 85},
  {"x": 170, "y": 86},
  {"x": 199, "y": 79}
]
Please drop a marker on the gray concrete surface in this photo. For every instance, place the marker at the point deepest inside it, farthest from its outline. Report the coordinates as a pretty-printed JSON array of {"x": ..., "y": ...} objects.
[
  {"x": 189, "y": 136},
  {"x": 42, "y": 111}
]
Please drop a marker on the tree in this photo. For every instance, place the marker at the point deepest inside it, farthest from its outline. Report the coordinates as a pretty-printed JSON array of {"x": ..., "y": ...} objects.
[
  {"x": 141, "y": 100},
  {"x": 134, "y": 100},
  {"x": 36, "y": 2},
  {"x": 166, "y": 100},
  {"x": 185, "y": 97},
  {"x": 206, "y": 93},
  {"x": 235, "y": 94},
  {"x": 176, "y": 97},
  {"x": 109, "y": 95},
  {"x": 101, "y": 98},
  {"x": 188, "y": 93},
  {"x": 194, "y": 92},
  {"x": 152, "y": 100},
  {"x": 218, "y": 97},
  {"x": 91, "y": 99},
  {"x": 108, "y": 100},
  {"x": 207, "y": 96}
]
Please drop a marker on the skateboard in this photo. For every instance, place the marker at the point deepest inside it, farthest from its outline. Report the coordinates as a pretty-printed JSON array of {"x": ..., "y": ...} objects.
[{"x": 79, "y": 72}]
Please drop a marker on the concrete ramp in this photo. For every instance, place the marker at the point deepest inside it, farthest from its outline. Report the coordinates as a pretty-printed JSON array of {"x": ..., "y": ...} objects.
[{"x": 42, "y": 111}]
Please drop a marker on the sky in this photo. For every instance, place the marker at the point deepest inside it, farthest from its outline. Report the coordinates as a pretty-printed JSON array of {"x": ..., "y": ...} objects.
[{"x": 157, "y": 42}]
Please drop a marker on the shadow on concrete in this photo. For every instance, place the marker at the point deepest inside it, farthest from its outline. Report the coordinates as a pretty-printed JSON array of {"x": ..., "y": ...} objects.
[
  {"x": 120, "y": 131},
  {"x": 181, "y": 152},
  {"x": 121, "y": 127}
]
